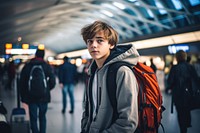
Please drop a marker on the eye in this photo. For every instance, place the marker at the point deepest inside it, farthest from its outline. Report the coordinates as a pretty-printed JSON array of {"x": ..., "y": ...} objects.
[
  {"x": 89, "y": 41},
  {"x": 100, "y": 40}
]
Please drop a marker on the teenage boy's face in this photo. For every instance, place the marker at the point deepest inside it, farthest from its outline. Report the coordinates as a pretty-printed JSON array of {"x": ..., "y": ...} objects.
[{"x": 98, "y": 47}]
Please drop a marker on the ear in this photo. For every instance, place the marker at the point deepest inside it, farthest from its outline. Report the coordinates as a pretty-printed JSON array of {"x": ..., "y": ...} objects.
[{"x": 112, "y": 46}]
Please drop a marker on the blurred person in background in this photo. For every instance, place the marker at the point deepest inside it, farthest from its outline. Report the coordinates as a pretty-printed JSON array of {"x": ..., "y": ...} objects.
[
  {"x": 197, "y": 67},
  {"x": 153, "y": 66},
  {"x": 179, "y": 82},
  {"x": 67, "y": 77},
  {"x": 38, "y": 105},
  {"x": 11, "y": 70}
]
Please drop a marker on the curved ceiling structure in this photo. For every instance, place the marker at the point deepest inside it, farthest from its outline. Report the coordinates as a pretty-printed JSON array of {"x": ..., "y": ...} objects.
[{"x": 57, "y": 23}]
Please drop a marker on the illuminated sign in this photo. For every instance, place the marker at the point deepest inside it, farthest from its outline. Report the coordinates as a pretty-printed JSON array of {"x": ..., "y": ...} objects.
[
  {"x": 16, "y": 49},
  {"x": 174, "y": 48},
  {"x": 20, "y": 51},
  {"x": 8, "y": 45},
  {"x": 41, "y": 46},
  {"x": 25, "y": 46}
]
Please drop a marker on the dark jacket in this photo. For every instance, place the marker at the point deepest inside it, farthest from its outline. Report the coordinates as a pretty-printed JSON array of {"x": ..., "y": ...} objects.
[
  {"x": 67, "y": 73},
  {"x": 179, "y": 81},
  {"x": 24, "y": 78}
]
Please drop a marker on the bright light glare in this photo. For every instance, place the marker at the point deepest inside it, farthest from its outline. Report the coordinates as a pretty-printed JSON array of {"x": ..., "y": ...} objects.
[
  {"x": 50, "y": 59},
  {"x": 148, "y": 63},
  {"x": 150, "y": 13},
  {"x": 78, "y": 62},
  {"x": 41, "y": 46},
  {"x": 132, "y": 0},
  {"x": 2, "y": 60},
  {"x": 157, "y": 60},
  {"x": 107, "y": 13},
  {"x": 19, "y": 39},
  {"x": 119, "y": 5},
  {"x": 20, "y": 51},
  {"x": 159, "y": 5}
]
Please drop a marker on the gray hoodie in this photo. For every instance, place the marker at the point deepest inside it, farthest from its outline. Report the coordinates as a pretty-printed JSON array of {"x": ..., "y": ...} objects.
[{"x": 126, "y": 94}]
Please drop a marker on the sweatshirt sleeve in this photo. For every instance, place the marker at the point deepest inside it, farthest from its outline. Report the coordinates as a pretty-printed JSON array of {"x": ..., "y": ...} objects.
[{"x": 127, "y": 102}]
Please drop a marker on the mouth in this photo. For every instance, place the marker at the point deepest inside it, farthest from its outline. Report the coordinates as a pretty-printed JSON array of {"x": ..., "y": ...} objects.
[{"x": 94, "y": 52}]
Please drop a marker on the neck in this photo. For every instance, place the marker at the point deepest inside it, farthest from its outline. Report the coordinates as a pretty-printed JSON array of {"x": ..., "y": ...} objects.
[
  {"x": 99, "y": 64},
  {"x": 101, "y": 61}
]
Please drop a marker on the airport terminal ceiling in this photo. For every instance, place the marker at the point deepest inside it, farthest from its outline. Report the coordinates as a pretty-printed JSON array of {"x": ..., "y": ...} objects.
[{"x": 57, "y": 23}]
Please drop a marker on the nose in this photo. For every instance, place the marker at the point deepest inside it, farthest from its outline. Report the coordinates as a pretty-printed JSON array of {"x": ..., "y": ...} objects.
[{"x": 94, "y": 44}]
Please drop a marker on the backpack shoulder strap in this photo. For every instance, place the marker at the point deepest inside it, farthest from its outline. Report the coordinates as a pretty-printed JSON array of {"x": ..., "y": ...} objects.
[{"x": 112, "y": 85}]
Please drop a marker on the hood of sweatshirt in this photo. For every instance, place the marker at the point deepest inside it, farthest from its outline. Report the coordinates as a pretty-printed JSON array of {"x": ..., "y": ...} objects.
[{"x": 122, "y": 52}]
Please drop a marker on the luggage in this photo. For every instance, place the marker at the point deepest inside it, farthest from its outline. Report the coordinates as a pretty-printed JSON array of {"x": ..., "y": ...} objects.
[{"x": 19, "y": 122}]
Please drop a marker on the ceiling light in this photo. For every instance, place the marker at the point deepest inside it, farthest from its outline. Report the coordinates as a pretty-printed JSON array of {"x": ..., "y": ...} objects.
[
  {"x": 107, "y": 13},
  {"x": 19, "y": 39},
  {"x": 132, "y": 0},
  {"x": 119, "y": 5}
]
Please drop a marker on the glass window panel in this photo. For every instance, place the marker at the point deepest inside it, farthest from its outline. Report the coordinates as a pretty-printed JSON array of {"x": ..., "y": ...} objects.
[
  {"x": 177, "y": 4},
  {"x": 194, "y": 2},
  {"x": 135, "y": 2},
  {"x": 150, "y": 13},
  {"x": 159, "y": 5}
]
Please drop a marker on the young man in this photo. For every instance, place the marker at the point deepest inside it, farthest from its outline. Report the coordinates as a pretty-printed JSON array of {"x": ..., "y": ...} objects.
[
  {"x": 101, "y": 40},
  {"x": 36, "y": 104},
  {"x": 67, "y": 74}
]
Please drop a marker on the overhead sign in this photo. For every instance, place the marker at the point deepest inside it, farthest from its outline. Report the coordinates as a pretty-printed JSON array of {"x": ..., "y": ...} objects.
[
  {"x": 20, "y": 51},
  {"x": 174, "y": 48},
  {"x": 14, "y": 49}
]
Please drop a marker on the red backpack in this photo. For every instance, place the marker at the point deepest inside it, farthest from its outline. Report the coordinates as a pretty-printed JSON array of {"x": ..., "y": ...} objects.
[{"x": 149, "y": 98}]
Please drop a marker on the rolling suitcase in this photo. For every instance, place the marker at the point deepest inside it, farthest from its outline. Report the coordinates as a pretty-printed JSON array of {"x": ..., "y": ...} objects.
[{"x": 19, "y": 122}]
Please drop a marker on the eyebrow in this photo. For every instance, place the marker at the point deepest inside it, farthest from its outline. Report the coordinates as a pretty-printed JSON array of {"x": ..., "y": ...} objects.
[
  {"x": 97, "y": 38},
  {"x": 100, "y": 37}
]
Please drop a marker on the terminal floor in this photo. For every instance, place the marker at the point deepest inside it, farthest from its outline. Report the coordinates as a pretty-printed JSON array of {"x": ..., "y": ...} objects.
[{"x": 70, "y": 123}]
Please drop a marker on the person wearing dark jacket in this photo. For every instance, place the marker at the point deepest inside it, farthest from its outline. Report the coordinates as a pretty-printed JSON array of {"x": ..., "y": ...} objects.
[
  {"x": 179, "y": 81},
  {"x": 67, "y": 74},
  {"x": 34, "y": 103}
]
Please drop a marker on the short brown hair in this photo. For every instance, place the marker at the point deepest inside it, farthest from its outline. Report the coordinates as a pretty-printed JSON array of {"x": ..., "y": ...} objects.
[
  {"x": 89, "y": 31},
  {"x": 181, "y": 56}
]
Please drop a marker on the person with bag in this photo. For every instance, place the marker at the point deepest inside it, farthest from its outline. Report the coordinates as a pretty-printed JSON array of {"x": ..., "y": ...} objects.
[
  {"x": 101, "y": 41},
  {"x": 36, "y": 82},
  {"x": 180, "y": 81}
]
